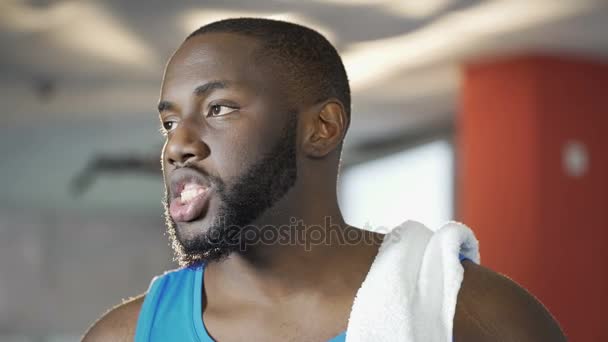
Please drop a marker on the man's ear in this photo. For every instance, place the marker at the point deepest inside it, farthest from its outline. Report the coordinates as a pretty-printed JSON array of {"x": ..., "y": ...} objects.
[{"x": 325, "y": 129}]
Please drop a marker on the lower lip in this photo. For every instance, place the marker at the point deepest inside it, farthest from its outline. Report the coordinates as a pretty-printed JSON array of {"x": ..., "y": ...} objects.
[{"x": 193, "y": 210}]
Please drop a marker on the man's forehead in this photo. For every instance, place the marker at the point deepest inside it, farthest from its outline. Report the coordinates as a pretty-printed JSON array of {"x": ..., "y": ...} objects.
[
  {"x": 212, "y": 56},
  {"x": 214, "y": 50}
]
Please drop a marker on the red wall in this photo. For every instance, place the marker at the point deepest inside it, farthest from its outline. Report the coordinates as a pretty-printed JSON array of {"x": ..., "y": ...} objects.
[{"x": 540, "y": 226}]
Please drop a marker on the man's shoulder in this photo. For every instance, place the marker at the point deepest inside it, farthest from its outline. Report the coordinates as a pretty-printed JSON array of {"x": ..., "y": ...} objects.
[
  {"x": 492, "y": 307},
  {"x": 118, "y": 324}
]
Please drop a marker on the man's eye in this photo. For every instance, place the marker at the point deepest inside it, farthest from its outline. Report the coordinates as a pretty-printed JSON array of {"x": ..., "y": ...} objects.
[
  {"x": 169, "y": 125},
  {"x": 219, "y": 110}
]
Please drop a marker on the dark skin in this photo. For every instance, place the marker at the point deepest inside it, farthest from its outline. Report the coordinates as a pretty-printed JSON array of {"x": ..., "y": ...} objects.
[{"x": 281, "y": 292}]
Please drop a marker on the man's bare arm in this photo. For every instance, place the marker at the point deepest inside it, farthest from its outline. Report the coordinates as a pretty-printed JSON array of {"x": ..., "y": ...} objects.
[
  {"x": 492, "y": 307},
  {"x": 118, "y": 324}
]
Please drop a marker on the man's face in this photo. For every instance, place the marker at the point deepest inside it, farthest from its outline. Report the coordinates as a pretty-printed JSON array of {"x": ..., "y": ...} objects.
[{"x": 230, "y": 152}]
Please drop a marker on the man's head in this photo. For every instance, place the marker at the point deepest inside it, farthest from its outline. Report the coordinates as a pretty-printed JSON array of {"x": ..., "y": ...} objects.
[{"x": 251, "y": 109}]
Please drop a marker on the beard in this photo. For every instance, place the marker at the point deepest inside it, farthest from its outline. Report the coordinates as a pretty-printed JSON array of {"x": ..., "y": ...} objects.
[{"x": 252, "y": 193}]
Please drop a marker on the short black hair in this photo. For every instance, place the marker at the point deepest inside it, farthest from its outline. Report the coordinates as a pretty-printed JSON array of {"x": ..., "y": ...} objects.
[{"x": 313, "y": 65}]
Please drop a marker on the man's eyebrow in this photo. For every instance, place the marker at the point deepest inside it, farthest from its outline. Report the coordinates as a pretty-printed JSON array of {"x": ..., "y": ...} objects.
[
  {"x": 198, "y": 91},
  {"x": 209, "y": 86},
  {"x": 165, "y": 105}
]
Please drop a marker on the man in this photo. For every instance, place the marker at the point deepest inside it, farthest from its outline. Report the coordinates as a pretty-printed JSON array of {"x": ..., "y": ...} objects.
[{"x": 255, "y": 112}]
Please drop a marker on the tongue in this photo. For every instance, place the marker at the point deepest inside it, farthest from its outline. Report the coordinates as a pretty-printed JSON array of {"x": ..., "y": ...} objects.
[{"x": 187, "y": 211}]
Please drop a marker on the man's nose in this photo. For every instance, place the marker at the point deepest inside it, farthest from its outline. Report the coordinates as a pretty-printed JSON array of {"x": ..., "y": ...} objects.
[{"x": 185, "y": 146}]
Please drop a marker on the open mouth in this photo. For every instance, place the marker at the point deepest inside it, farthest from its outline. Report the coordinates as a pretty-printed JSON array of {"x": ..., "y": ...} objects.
[{"x": 190, "y": 194}]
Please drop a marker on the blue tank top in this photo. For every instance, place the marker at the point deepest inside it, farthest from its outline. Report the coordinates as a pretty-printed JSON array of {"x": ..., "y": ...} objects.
[{"x": 172, "y": 309}]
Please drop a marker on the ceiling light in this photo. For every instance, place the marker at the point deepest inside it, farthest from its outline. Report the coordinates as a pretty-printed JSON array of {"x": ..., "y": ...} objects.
[
  {"x": 406, "y": 8},
  {"x": 80, "y": 26},
  {"x": 452, "y": 37}
]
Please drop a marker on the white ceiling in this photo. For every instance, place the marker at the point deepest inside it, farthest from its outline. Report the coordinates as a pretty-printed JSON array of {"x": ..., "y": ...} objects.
[{"x": 98, "y": 64}]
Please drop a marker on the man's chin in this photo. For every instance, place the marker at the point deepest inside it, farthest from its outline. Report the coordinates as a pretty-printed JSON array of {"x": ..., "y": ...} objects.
[
  {"x": 190, "y": 234},
  {"x": 194, "y": 228},
  {"x": 200, "y": 241}
]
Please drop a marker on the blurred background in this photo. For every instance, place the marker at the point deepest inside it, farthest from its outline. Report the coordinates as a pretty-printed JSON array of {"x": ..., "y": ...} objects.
[{"x": 494, "y": 113}]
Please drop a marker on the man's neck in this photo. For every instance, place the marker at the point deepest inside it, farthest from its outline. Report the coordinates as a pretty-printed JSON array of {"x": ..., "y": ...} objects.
[{"x": 308, "y": 262}]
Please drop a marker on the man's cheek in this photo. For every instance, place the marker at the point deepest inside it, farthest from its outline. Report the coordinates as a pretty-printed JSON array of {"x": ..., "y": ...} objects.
[{"x": 233, "y": 160}]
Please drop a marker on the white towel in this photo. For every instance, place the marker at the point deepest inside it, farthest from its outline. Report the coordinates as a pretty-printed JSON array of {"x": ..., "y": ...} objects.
[{"x": 412, "y": 286}]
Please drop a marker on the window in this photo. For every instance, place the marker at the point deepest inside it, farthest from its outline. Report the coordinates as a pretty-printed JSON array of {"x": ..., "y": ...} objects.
[{"x": 415, "y": 184}]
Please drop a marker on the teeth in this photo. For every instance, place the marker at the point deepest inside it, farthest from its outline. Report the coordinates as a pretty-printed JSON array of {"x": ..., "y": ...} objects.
[
  {"x": 191, "y": 191},
  {"x": 191, "y": 186}
]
